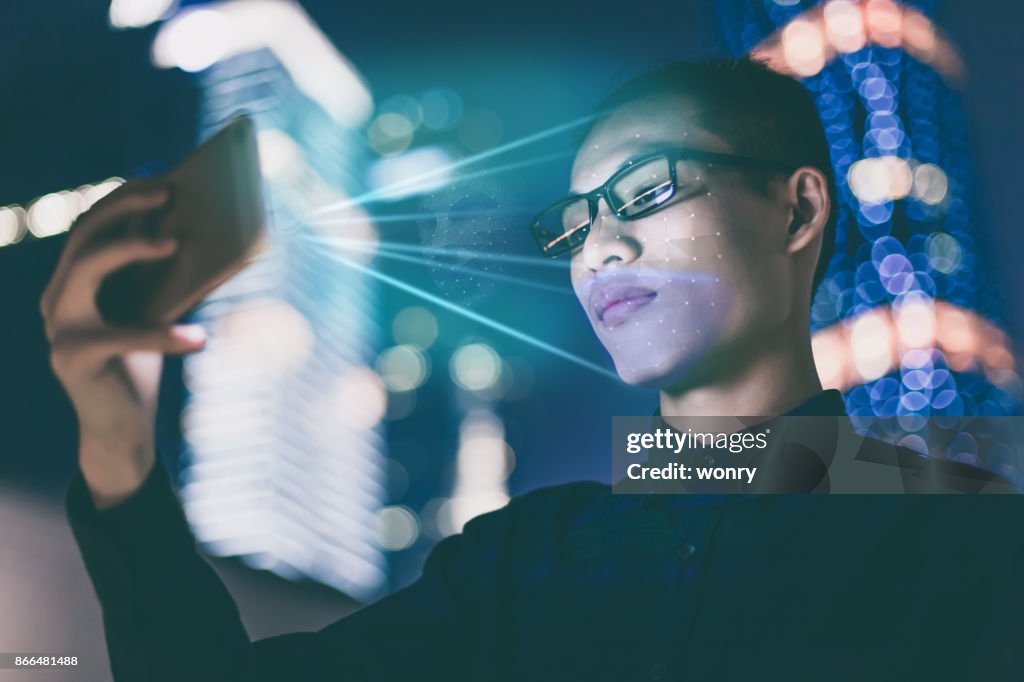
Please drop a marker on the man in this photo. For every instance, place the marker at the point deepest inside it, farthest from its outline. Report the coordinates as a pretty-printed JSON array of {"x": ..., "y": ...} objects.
[{"x": 706, "y": 201}]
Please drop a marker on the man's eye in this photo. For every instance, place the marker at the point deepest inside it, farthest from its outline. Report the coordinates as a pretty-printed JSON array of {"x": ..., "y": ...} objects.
[{"x": 646, "y": 195}]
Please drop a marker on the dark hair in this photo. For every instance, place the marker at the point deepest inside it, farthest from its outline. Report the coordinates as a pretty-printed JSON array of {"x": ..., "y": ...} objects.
[{"x": 760, "y": 112}]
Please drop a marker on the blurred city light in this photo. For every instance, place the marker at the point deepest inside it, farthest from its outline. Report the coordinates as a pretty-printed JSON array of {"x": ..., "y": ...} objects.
[
  {"x": 397, "y": 528},
  {"x": 406, "y": 106},
  {"x": 803, "y": 46},
  {"x": 390, "y": 134},
  {"x": 416, "y": 326},
  {"x": 52, "y": 214},
  {"x": 884, "y": 19},
  {"x": 880, "y": 179},
  {"x": 360, "y": 398},
  {"x": 844, "y": 25},
  {"x": 483, "y": 464},
  {"x": 441, "y": 109},
  {"x": 280, "y": 155},
  {"x": 865, "y": 347},
  {"x": 92, "y": 193},
  {"x": 904, "y": 321},
  {"x": 418, "y": 171},
  {"x": 811, "y": 39},
  {"x": 475, "y": 367},
  {"x": 12, "y": 225},
  {"x": 403, "y": 368},
  {"x": 353, "y": 232},
  {"x": 944, "y": 252},
  {"x": 872, "y": 346},
  {"x": 930, "y": 184},
  {"x": 267, "y": 335},
  {"x": 138, "y": 13},
  {"x": 196, "y": 38},
  {"x": 284, "y": 461}
]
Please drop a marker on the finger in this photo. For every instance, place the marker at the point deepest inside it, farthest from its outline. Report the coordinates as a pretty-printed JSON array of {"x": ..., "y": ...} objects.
[
  {"x": 118, "y": 207},
  {"x": 78, "y": 352},
  {"x": 131, "y": 199},
  {"x": 87, "y": 275},
  {"x": 72, "y": 257},
  {"x": 80, "y": 280}
]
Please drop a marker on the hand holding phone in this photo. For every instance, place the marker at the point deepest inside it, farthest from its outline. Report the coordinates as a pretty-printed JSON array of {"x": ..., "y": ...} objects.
[
  {"x": 132, "y": 264},
  {"x": 111, "y": 374},
  {"x": 217, "y": 217}
]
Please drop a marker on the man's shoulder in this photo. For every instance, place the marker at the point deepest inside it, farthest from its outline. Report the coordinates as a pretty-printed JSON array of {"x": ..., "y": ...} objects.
[
  {"x": 554, "y": 505},
  {"x": 543, "y": 513},
  {"x": 562, "y": 496}
]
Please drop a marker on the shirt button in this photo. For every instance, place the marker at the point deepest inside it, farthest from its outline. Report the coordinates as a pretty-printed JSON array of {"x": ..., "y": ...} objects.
[{"x": 686, "y": 550}]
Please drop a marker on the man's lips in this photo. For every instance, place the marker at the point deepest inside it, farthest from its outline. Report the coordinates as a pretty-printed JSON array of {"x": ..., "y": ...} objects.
[{"x": 613, "y": 303}]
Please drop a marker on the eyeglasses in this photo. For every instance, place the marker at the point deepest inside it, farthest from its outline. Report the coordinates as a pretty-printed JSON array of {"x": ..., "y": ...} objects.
[{"x": 642, "y": 187}]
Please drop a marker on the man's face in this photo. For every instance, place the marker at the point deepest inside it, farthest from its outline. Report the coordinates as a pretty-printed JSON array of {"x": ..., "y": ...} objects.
[{"x": 699, "y": 280}]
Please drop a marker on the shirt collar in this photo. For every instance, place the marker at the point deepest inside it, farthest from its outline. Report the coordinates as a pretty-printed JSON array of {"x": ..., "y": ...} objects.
[
  {"x": 780, "y": 469},
  {"x": 827, "y": 403}
]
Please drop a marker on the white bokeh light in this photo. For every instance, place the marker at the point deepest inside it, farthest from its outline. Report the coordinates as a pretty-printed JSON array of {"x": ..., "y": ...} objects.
[
  {"x": 403, "y": 368},
  {"x": 138, "y": 13},
  {"x": 397, "y": 528},
  {"x": 475, "y": 367}
]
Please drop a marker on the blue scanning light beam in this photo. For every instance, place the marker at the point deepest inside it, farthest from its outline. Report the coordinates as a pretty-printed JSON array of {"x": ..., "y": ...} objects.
[{"x": 476, "y": 317}]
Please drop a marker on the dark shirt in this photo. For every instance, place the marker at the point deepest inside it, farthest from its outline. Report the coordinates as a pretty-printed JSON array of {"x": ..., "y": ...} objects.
[{"x": 574, "y": 583}]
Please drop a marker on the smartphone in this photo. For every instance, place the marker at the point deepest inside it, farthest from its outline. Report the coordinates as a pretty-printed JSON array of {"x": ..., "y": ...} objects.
[{"x": 216, "y": 214}]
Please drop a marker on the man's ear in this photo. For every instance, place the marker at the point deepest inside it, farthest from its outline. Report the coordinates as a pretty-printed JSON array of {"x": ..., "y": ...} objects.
[{"x": 807, "y": 191}]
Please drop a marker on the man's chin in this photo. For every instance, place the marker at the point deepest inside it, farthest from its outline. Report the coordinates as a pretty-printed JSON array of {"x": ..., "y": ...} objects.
[{"x": 657, "y": 376}]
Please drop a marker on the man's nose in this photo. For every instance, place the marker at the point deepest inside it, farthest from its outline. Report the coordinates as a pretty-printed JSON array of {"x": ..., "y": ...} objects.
[{"x": 609, "y": 241}]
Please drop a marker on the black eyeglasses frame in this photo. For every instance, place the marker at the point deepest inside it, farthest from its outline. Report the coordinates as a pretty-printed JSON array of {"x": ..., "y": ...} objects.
[{"x": 673, "y": 156}]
